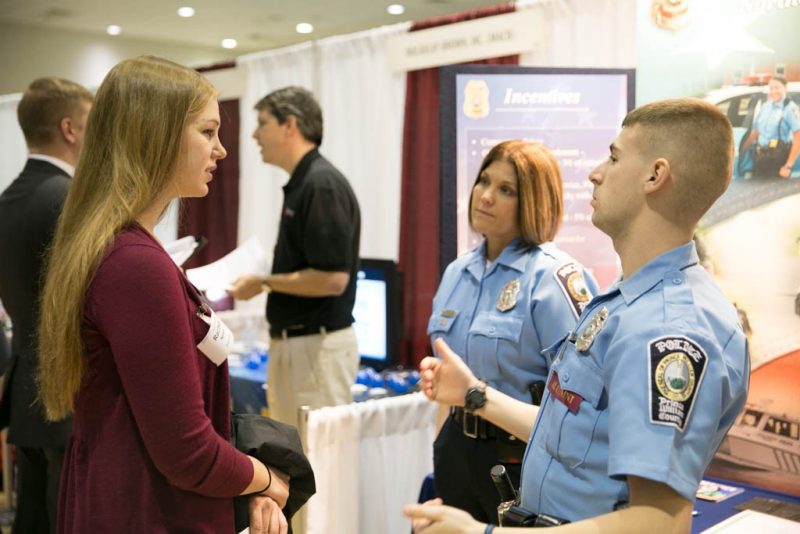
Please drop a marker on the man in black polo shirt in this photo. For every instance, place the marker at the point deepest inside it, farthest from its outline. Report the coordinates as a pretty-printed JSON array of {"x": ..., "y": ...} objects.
[{"x": 313, "y": 357}]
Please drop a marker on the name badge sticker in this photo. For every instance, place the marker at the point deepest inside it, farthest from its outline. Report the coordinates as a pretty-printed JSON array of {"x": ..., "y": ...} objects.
[{"x": 219, "y": 339}]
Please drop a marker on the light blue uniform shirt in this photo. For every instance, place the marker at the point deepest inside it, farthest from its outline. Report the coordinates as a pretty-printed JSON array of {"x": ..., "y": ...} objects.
[
  {"x": 769, "y": 117},
  {"x": 500, "y": 338},
  {"x": 659, "y": 386}
]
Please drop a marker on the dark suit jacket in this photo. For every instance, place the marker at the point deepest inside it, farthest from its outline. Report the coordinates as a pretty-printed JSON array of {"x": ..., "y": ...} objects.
[{"x": 29, "y": 210}]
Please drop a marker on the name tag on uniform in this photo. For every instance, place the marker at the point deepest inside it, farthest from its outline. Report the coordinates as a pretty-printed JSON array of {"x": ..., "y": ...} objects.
[
  {"x": 219, "y": 339},
  {"x": 571, "y": 400}
]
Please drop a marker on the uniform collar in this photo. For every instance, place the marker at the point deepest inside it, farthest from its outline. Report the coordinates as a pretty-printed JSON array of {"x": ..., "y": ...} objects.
[
  {"x": 777, "y": 105},
  {"x": 513, "y": 257},
  {"x": 301, "y": 169},
  {"x": 653, "y": 272}
]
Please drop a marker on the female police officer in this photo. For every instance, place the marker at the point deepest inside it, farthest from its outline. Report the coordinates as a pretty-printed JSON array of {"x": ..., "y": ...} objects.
[{"x": 499, "y": 306}]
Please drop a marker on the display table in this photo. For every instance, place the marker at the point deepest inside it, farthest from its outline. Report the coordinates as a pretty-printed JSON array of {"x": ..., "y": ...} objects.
[
  {"x": 708, "y": 513},
  {"x": 248, "y": 389},
  {"x": 711, "y": 513}
]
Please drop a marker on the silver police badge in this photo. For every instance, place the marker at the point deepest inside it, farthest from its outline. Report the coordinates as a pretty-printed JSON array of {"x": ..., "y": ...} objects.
[
  {"x": 508, "y": 296},
  {"x": 596, "y": 323}
]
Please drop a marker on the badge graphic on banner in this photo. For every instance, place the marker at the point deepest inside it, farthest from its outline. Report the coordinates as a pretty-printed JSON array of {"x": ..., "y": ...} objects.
[
  {"x": 508, "y": 296},
  {"x": 676, "y": 365},
  {"x": 587, "y": 335},
  {"x": 476, "y": 99},
  {"x": 570, "y": 278}
]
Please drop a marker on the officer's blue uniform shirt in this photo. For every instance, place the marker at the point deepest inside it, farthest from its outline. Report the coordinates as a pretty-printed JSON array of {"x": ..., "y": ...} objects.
[
  {"x": 652, "y": 396},
  {"x": 769, "y": 117},
  {"x": 499, "y": 317}
]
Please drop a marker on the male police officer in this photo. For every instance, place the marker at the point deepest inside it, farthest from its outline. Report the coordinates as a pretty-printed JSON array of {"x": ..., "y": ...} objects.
[
  {"x": 641, "y": 394},
  {"x": 777, "y": 131}
]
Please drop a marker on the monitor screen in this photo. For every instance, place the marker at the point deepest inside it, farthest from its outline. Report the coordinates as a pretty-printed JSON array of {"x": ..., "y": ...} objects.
[{"x": 376, "y": 312}]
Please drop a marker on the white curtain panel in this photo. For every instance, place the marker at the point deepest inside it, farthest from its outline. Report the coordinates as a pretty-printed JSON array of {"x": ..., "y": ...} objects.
[
  {"x": 369, "y": 460},
  {"x": 363, "y": 102},
  {"x": 584, "y": 33},
  {"x": 13, "y": 151}
]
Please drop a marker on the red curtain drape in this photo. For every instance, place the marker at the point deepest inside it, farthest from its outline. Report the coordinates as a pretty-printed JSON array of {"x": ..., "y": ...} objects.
[
  {"x": 216, "y": 215},
  {"x": 419, "y": 208}
]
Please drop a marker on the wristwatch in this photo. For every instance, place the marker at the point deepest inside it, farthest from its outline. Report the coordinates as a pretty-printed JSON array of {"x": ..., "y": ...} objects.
[
  {"x": 475, "y": 397},
  {"x": 265, "y": 286}
]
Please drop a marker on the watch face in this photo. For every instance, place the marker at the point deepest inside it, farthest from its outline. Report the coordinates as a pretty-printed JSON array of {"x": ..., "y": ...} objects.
[{"x": 476, "y": 398}]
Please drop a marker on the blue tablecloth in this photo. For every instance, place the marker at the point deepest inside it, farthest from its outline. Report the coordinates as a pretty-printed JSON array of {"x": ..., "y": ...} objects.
[
  {"x": 247, "y": 389},
  {"x": 711, "y": 513}
]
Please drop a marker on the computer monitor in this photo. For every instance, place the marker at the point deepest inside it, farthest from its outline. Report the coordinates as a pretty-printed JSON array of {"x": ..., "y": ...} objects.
[{"x": 377, "y": 312}]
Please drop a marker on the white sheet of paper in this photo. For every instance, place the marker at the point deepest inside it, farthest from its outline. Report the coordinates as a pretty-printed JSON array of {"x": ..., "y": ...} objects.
[
  {"x": 180, "y": 249},
  {"x": 214, "y": 278},
  {"x": 750, "y": 521}
]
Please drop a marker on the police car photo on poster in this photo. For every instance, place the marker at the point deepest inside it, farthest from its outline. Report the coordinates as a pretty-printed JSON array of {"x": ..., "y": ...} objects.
[{"x": 744, "y": 57}]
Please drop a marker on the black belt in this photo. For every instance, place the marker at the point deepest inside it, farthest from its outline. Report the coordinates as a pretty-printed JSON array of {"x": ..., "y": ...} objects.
[
  {"x": 301, "y": 330},
  {"x": 475, "y": 426}
]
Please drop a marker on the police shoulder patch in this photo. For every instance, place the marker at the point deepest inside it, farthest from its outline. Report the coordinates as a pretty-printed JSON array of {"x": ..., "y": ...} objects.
[
  {"x": 676, "y": 365},
  {"x": 570, "y": 279}
]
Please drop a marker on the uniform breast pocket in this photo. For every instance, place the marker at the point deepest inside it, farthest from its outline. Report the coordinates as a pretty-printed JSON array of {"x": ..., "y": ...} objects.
[
  {"x": 570, "y": 432},
  {"x": 441, "y": 322},
  {"x": 493, "y": 337}
]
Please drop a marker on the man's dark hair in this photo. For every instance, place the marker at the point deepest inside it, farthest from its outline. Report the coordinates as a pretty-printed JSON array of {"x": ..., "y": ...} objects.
[
  {"x": 301, "y": 104},
  {"x": 781, "y": 79}
]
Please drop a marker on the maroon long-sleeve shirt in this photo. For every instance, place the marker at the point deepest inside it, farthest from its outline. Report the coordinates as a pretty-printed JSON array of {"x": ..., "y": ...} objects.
[{"x": 150, "y": 449}]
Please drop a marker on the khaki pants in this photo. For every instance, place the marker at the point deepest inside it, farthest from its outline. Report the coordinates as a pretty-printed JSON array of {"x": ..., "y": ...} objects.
[{"x": 314, "y": 371}]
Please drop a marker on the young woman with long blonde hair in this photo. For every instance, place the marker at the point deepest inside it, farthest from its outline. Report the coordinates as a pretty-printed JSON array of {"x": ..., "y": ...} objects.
[{"x": 124, "y": 337}]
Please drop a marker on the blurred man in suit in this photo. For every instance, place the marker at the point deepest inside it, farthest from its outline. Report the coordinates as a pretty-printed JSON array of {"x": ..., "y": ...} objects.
[{"x": 53, "y": 114}]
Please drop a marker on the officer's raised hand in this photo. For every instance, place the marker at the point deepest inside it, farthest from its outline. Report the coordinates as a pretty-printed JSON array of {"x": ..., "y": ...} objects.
[
  {"x": 434, "y": 518},
  {"x": 445, "y": 380}
]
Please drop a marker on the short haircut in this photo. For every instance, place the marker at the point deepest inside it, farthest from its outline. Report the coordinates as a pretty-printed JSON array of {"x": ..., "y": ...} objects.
[
  {"x": 781, "y": 79},
  {"x": 539, "y": 188},
  {"x": 697, "y": 140},
  {"x": 299, "y": 103},
  {"x": 44, "y": 104}
]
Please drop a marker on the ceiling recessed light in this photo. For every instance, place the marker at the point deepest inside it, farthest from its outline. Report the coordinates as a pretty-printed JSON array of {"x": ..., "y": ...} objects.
[
  {"x": 304, "y": 27},
  {"x": 186, "y": 12},
  {"x": 113, "y": 30},
  {"x": 229, "y": 43},
  {"x": 396, "y": 9}
]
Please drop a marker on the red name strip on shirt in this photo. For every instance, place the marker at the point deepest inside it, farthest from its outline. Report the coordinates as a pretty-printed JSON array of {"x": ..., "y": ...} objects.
[{"x": 571, "y": 400}]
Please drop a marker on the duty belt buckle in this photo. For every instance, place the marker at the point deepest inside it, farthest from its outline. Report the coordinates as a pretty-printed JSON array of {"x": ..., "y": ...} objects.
[{"x": 470, "y": 426}]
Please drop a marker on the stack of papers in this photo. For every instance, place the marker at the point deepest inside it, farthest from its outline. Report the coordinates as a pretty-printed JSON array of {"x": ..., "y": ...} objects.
[
  {"x": 715, "y": 492},
  {"x": 218, "y": 276},
  {"x": 750, "y": 521}
]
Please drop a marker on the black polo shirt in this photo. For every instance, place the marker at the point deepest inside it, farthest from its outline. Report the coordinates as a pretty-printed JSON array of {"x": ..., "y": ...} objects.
[{"x": 320, "y": 228}]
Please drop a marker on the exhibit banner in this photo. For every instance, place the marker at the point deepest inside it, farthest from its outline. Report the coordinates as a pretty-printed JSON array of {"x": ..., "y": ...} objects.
[
  {"x": 744, "y": 56},
  {"x": 576, "y": 113}
]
